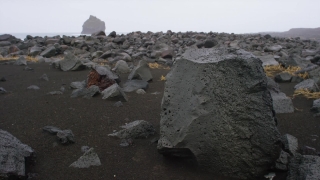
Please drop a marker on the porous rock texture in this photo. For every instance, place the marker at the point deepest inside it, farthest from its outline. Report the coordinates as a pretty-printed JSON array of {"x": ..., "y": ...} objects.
[
  {"x": 304, "y": 167},
  {"x": 217, "y": 109},
  {"x": 13, "y": 155}
]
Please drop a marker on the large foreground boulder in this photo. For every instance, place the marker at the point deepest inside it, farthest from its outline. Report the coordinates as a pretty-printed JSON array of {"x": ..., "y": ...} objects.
[
  {"x": 13, "y": 154},
  {"x": 217, "y": 109}
]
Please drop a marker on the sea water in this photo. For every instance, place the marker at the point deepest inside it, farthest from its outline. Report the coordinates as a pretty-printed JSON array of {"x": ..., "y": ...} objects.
[{"x": 22, "y": 36}]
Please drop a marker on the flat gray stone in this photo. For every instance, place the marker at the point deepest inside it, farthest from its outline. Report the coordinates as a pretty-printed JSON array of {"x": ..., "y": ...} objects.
[
  {"x": 142, "y": 71},
  {"x": 308, "y": 84},
  {"x": 113, "y": 91},
  {"x": 135, "y": 129},
  {"x": 268, "y": 60},
  {"x": 281, "y": 103},
  {"x": 89, "y": 158},
  {"x": 133, "y": 85}
]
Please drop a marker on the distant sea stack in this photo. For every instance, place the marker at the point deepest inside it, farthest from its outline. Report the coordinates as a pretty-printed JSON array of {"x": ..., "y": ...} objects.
[{"x": 93, "y": 25}]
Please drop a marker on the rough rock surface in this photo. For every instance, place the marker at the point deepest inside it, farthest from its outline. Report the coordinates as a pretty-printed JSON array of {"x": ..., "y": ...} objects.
[
  {"x": 12, "y": 155},
  {"x": 89, "y": 158},
  {"x": 216, "y": 107},
  {"x": 135, "y": 84},
  {"x": 290, "y": 143},
  {"x": 93, "y": 25},
  {"x": 135, "y": 129},
  {"x": 283, "y": 161},
  {"x": 142, "y": 71},
  {"x": 281, "y": 103},
  {"x": 304, "y": 167},
  {"x": 113, "y": 91},
  {"x": 64, "y": 136},
  {"x": 308, "y": 84},
  {"x": 71, "y": 63}
]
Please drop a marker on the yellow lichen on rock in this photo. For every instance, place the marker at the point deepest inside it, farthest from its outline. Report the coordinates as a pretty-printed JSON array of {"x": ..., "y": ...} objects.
[
  {"x": 306, "y": 93},
  {"x": 157, "y": 66},
  {"x": 272, "y": 70}
]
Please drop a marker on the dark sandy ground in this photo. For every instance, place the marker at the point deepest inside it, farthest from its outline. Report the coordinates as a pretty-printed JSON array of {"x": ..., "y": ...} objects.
[{"x": 24, "y": 112}]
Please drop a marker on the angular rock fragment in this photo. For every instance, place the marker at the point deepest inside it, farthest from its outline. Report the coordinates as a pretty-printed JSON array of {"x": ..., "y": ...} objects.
[
  {"x": 21, "y": 61},
  {"x": 85, "y": 92},
  {"x": 308, "y": 84},
  {"x": 217, "y": 109},
  {"x": 135, "y": 84},
  {"x": 78, "y": 85},
  {"x": 142, "y": 71},
  {"x": 113, "y": 91},
  {"x": 44, "y": 77},
  {"x": 304, "y": 167},
  {"x": 55, "y": 93},
  {"x": 64, "y": 136},
  {"x": 283, "y": 161},
  {"x": 281, "y": 103},
  {"x": 2, "y": 90},
  {"x": 13, "y": 155},
  {"x": 34, "y": 87},
  {"x": 121, "y": 67},
  {"x": 135, "y": 129},
  {"x": 71, "y": 63},
  {"x": 283, "y": 77},
  {"x": 89, "y": 158},
  {"x": 290, "y": 144}
]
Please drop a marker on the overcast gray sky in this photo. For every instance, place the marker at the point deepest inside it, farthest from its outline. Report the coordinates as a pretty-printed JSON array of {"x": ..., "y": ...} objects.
[{"x": 238, "y": 16}]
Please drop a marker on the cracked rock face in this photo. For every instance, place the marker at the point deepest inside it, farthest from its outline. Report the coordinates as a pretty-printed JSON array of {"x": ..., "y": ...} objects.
[
  {"x": 13, "y": 154},
  {"x": 217, "y": 109}
]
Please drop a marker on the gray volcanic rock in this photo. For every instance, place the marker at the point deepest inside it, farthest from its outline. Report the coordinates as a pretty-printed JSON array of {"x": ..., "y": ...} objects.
[
  {"x": 135, "y": 84},
  {"x": 283, "y": 77},
  {"x": 308, "y": 84},
  {"x": 13, "y": 154},
  {"x": 290, "y": 143},
  {"x": 89, "y": 158},
  {"x": 281, "y": 103},
  {"x": 142, "y": 71},
  {"x": 93, "y": 25},
  {"x": 71, "y": 63},
  {"x": 21, "y": 61},
  {"x": 64, "y": 136},
  {"x": 135, "y": 129},
  {"x": 217, "y": 109},
  {"x": 304, "y": 167},
  {"x": 113, "y": 91},
  {"x": 121, "y": 67},
  {"x": 316, "y": 106},
  {"x": 4, "y": 43},
  {"x": 35, "y": 50},
  {"x": 268, "y": 60},
  {"x": 49, "y": 52}
]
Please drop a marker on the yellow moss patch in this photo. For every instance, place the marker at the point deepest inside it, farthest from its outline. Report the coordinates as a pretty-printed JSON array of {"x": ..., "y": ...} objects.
[
  {"x": 162, "y": 78},
  {"x": 306, "y": 93},
  {"x": 272, "y": 70},
  {"x": 157, "y": 66},
  {"x": 32, "y": 59},
  {"x": 28, "y": 58}
]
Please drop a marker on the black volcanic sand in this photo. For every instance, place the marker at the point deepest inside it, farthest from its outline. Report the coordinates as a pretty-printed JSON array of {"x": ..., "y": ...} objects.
[{"x": 24, "y": 112}]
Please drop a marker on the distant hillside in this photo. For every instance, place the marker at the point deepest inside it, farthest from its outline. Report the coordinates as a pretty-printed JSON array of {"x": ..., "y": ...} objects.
[{"x": 303, "y": 33}]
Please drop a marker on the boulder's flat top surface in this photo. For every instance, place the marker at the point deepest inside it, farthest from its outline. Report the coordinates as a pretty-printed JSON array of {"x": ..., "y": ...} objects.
[{"x": 24, "y": 112}]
